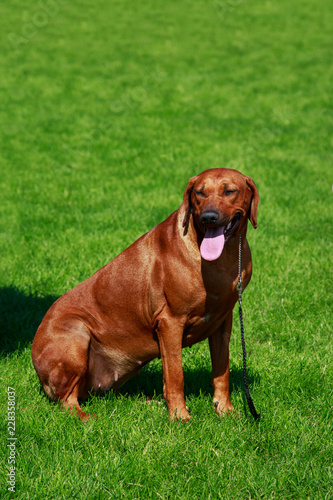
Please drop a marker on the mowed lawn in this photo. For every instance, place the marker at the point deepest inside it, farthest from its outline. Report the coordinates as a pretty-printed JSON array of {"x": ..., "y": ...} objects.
[{"x": 107, "y": 108}]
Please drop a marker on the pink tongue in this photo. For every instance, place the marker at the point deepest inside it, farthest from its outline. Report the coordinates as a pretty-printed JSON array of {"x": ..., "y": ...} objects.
[{"x": 212, "y": 244}]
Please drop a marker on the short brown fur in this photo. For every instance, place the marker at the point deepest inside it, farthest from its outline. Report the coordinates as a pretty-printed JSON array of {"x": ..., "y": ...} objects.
[{"x": 156, "y": 297}]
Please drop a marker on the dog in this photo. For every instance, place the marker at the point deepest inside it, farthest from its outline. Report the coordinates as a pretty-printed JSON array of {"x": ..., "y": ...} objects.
[{"x": 173, "y": 287}]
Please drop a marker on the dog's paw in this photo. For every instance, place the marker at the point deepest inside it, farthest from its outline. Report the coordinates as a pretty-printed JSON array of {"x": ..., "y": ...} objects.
[
  {"x": 82, "y": 415},
  {"x": 180, "y": 414},
  {"x": 223, "y": 408}
]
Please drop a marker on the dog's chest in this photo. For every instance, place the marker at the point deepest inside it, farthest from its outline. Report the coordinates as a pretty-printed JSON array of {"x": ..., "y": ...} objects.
[
  {"x": 216, "y": 303},
  {"x": 207, "y": 318},
  {"x": 202, "y": 328}
]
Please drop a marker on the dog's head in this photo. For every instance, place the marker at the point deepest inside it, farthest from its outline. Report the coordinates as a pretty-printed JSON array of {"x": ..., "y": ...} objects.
[{"x": 220, "y": 200}]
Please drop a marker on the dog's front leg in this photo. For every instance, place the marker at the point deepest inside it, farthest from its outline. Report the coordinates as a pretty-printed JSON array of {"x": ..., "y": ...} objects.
[
  {"x": 219, "y": 353},
  {"x": 170, "y": 334}
]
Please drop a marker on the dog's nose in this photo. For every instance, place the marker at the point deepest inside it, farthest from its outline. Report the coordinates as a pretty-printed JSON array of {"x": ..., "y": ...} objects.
[{"x": 209, "y": 217}]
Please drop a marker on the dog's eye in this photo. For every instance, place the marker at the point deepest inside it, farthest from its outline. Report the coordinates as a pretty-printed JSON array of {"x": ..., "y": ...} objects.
[
  {"x": 199, "y": 193},
  {"x": 229, "y": 192}
]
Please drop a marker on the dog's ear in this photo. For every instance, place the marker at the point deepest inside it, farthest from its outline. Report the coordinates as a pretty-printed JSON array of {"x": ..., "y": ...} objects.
[
  {"x": 187, "y": 202},
  {"x": 252, "y": 214}
]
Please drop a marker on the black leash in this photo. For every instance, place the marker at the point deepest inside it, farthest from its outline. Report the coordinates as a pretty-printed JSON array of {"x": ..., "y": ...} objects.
[{"x": 253, "y": 411}]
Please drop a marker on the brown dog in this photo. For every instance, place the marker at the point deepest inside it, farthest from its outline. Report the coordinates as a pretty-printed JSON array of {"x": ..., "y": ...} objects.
[{"x": 175, "y": 286}]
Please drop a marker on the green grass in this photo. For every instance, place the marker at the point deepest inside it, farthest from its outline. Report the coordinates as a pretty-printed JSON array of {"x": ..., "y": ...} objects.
[{"x": 107, "y": 108}]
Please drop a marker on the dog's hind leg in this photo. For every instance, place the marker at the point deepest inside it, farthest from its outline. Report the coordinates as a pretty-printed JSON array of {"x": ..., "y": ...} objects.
[
  {"x": 71, "y": 402},
  {"x": 62, "y": 365}
]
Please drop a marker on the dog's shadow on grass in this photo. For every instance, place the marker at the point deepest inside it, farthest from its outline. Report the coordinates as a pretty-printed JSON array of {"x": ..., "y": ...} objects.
[
  {"x": 197, "y": 382},
  {"x": 20, "y": 316}
]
